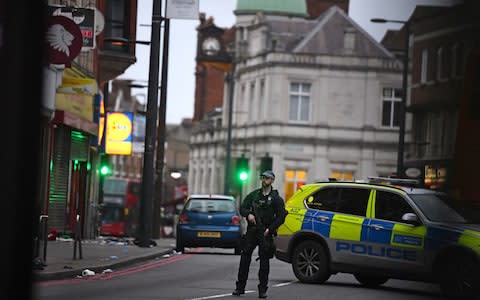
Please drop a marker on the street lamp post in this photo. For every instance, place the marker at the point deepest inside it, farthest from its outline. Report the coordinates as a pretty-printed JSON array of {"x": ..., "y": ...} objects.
[
  {"x": 145, "y": 228},
  {"x": 403, "y": 103},
  {"x": 161, "y": 132}
]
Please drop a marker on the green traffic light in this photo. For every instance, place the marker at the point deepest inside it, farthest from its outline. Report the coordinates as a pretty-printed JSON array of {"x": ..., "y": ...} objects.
[
  {"x": 243, "y": 175},
  {"x": 104, "y": 170}
]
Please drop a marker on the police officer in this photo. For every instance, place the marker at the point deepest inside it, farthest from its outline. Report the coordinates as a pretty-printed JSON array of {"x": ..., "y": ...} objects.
[{"x": 265, "y": 212}]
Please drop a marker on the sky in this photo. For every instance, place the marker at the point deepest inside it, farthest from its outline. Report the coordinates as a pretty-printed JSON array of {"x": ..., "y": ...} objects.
[{"x": 181, "y": 64}]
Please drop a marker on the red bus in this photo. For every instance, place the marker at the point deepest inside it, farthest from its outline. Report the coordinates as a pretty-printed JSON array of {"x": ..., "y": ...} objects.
[{"x": 121, "y": 205}]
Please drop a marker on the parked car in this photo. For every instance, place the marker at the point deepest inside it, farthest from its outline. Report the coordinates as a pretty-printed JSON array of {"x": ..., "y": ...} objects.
[
  {"x": 209, "y": 221},
  {"x": 381, "y": 231}
]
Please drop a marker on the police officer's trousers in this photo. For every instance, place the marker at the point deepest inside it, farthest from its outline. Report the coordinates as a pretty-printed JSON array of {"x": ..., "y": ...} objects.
[{"x": 254, "y": 238}]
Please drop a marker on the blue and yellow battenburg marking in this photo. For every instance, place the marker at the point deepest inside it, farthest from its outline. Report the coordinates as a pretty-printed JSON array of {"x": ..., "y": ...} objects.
[{"x": 400, "y": 241}]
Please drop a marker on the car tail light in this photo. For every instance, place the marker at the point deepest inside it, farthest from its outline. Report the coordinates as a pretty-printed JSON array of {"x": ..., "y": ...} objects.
[
  {"x": 183, "y": 218},
  {"x": 235, "y": 220}
]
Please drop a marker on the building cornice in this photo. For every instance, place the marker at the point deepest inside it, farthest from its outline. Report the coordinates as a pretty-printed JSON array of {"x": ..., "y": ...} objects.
[{"x": 322, "y": 62}]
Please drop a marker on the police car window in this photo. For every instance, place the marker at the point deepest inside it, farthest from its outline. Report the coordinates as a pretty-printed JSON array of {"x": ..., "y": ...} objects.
[
  {"x": 391, "y": 207},
  {"x": 324, "y": 199},
  {"x": 353, "y": 201}
]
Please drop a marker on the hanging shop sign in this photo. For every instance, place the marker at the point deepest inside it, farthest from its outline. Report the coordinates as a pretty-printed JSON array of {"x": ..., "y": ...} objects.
[
  {"x": 99, "y": 22},
  {"x": 64, "y": 40},
  {"x": 98, "y": 118},
  {"x": 83, "y": 17},
  {"x": 118, "y": 139}
]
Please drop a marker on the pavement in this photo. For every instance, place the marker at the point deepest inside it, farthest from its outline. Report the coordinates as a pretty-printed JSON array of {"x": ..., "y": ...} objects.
[{"x": 104, "y": 254}]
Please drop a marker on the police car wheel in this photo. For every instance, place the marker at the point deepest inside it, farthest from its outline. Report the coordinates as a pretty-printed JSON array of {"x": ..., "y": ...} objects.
[
  {"x": 310, "y": 263},
  {"x": 459, "y": 278},
  {"x": 370, "y": 280}
]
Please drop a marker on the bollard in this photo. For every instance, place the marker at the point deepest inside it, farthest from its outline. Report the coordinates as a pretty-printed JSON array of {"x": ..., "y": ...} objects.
[{"x": 78, "y": 240}]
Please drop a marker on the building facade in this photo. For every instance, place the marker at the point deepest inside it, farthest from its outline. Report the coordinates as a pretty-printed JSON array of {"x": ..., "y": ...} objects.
[
  {"x": 74, "y": 92},
  {"x": 317, "y": 94},
  {"x": 445, "y": 150}
]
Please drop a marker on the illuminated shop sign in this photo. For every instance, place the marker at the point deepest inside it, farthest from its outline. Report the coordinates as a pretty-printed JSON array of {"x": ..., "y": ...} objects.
[
  {"x": 435, "y": 177},
  {"x": 119, "y": 133}
]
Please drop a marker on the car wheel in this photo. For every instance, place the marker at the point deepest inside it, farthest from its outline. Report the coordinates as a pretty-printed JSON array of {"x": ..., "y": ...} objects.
[
  {"x": 179, "y": 247},
  {"x": 310, "y": 263},
  {"x": 459, "y": 278},
  {"x": 370, "y": 280}
]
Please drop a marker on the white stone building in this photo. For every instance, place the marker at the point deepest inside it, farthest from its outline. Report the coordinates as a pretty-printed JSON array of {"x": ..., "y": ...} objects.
[{"x": 318, "y": 95}]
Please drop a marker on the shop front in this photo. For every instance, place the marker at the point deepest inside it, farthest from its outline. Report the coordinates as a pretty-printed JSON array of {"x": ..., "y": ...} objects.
[
  {"x": 432, "y": 174},
  {"x": 71, "y": 156}
]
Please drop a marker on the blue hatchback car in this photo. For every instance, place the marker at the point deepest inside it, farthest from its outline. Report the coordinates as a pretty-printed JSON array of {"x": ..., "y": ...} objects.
[{"x": 209, "y": 221}]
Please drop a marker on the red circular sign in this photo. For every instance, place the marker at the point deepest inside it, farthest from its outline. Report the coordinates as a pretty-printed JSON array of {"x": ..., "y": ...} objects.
[{"x": 64, "y": 40}]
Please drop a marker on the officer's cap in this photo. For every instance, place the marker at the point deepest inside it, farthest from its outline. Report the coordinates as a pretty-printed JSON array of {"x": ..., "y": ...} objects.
[{"x": 268, "y": 174}]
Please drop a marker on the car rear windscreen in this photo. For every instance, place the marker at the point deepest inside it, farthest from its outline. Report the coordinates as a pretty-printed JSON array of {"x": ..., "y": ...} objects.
[{"x": 209, "y": 205}]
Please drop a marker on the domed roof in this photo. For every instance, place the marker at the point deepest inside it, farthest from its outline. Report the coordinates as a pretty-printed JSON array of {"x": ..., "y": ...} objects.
[{"x": 281, "y": 7}]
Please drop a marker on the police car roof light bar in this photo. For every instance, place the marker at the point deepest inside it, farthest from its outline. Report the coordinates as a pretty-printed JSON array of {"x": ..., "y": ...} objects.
[{"x": 392, "y": 180}]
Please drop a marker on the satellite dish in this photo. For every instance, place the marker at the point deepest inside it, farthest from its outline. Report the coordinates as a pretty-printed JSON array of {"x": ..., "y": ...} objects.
[{"x": 99, "y": 22}]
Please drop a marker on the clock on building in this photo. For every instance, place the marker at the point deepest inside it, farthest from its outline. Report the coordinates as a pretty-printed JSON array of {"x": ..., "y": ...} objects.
[{"x": 211, "y": 46}]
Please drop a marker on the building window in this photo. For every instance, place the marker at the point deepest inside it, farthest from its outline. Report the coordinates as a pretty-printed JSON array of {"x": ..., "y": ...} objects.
[
  {"x": 424, "y": 66},
  {"x": 449, "y": 135},
  {"x": 440, "y": 64},
  {"x": 392, "y": 98},
  {"x": 294, "y": 179},
  {"x": 299, "y": 105},
  {"x": 252, "y": 107},
  {"x": 435, "y": 132},
  {"x": 342, "y": 175},
  {"x": 208, "y": 182},
  {"x": 420, "y": 128},
  {"x": 194, "y": 180},
  {"x": 261, "y": 100}
]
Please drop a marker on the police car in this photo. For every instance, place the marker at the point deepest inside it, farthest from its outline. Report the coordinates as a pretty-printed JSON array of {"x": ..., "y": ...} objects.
[{"x": 377, "y": 231}]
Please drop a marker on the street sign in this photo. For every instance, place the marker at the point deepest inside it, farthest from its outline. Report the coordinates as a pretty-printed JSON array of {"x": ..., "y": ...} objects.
[{"x": 182, "y": 9}]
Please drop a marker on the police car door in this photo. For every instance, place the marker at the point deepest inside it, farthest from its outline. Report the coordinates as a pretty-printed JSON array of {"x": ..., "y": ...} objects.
[
  {"x": 340, "y": 216},
  {"x": 396, "y": 245}
]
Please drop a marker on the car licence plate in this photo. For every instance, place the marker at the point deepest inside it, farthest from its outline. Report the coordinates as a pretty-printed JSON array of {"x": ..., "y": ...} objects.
[{"x": 209, "y": 234}]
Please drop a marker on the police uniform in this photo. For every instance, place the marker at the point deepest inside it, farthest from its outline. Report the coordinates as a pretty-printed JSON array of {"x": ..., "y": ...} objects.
[{"x": 269, "y": 212}]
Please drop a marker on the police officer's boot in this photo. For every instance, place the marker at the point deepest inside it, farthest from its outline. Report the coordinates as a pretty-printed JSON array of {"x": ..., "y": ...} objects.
[
  {"x": 239, "y": 290},
  {"x": 262, "y": 292}
]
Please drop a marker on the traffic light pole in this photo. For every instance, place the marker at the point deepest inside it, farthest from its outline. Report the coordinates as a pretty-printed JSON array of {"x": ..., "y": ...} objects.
[{"x": 146, "y": 207}]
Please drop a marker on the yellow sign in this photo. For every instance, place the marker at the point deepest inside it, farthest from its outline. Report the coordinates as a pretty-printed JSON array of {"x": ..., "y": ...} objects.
[
  {"x": 119, "y": 133},
  {"x": 101, "y": 123},
  {"x": 80, "y": 105}
]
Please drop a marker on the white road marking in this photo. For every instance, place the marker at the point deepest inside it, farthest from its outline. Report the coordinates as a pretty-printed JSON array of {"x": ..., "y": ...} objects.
[
  {"x": 218, "y": 296},
  {"x": 283, "y": 284},
  {"x": 246, "y": 292}
]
